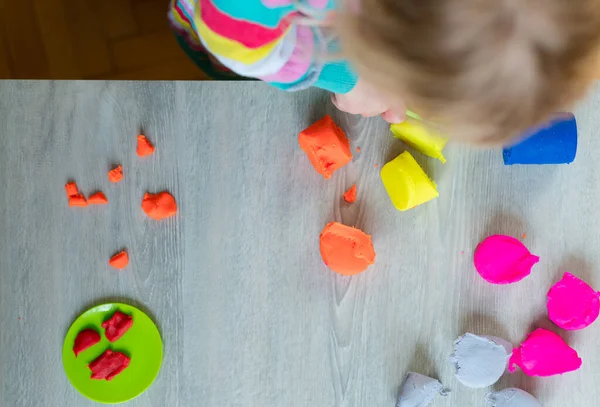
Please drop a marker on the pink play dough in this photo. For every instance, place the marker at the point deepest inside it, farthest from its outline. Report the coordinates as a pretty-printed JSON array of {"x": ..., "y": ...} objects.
[
  {"x": 572, "y": 303},
  {"x": 544, "y": 353},
  {"x": 503, "y": 259}
]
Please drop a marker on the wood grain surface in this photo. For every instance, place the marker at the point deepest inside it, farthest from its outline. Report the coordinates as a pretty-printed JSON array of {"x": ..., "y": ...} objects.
[
  {"x": 249, "y": 314},
  {"x": 90, "y": 39}
]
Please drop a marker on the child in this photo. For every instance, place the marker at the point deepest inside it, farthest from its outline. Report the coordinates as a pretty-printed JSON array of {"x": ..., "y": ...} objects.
[{"x": 484, "y": 70}]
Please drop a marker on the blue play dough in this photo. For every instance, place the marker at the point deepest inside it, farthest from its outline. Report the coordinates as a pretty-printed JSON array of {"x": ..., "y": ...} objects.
[{"x": 554, "y": 144}]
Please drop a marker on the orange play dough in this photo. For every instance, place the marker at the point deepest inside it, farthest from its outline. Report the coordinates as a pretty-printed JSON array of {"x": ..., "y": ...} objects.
[
  {"x": 116, "y": 174},
  {"x": 326, "y": 146},
  {"x": 350, "y": 195},
  {"x": 71, "y": 189},
  {"x": 77, "y": 200},
  {"x": 97, "y": 199},
  {"x": 346, "y": 250},
  {"x": 144, "y": 146},
  {"x": 159, "y": 206},
  {"x": 119, "y": 260}
]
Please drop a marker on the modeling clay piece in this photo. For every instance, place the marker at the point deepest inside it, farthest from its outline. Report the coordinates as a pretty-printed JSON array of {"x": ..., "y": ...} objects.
[
  {"x": 406, "y": 183},
  {"x": 119, "y": 260},
  {"x": 116, "y": 174},
  {"x": 144, "y": 146},
  {"x": 98, "y": 199},
  {"x": 346, "y": 250},
  {"x": 544, "y": 353},
  {"x": 511, "y": 397},
  {"x": 503, "y": 259},
  {"x": 85, "y": 339},
  {"x": 350, "y": 195},
  {"x": 572, "y": 303},
  {"x": 421, "y": 137},
  {"x": 556, "y": 143},
  {"x": 326, "y": 146},
  {"x": 78, "y": 200},
  {"x": 418, "y": 390},
  {"x": 117, "y": 325},
  {"x": 75, "y": 198},
  {"x": 159, "y": 206},
  {"x": 479, "y": 361},
  {"x": 108, "y": 365},
  {"x": 71, "y": 189}
]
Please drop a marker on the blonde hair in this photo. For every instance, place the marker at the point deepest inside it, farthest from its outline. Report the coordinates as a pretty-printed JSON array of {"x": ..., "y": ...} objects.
[{"x": 485, "y": 69}]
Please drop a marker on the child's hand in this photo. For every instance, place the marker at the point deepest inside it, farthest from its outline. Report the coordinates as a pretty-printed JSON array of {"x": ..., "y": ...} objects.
[{"x": 366, "y": 101}]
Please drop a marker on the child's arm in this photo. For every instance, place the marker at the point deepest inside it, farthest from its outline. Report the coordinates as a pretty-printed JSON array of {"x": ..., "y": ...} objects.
[
  {"x": 281, "y": 42},
  {"x": 272, "y": 40}
]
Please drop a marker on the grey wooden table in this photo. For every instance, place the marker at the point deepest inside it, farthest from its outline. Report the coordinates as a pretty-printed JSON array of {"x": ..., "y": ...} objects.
[{"x": 248, "y": 313}]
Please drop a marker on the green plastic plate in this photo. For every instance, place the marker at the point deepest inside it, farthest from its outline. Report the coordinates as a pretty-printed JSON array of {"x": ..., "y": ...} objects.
[{"x": 142, "y": 343}]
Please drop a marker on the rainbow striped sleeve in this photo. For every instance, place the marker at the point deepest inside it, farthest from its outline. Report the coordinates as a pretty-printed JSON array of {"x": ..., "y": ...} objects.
[{"x": 261, "y": 39}]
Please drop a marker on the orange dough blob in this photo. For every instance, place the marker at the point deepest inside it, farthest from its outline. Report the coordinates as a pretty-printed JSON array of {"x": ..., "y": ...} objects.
[
  {"x": 119, "y": 260},
  {"x": 159, "y": 206},
  {"x": 326, "y": 146},
  {"x": 98, "y": 199},
  {"x": 71, "y": 189},
  {"x": 116, "y": 174},
  {"x": 350, "y": 195},
  {"x": 346, "y": 250},
  {"x": 144, "y": 146},
  {"x": 77, "y": 200}
]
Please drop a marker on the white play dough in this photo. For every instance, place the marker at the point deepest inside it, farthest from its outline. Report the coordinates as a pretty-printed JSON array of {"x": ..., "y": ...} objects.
[
  {"x": 512, "y": 397},
  {"x": 418, "y": 390},
  {"x": 479, "y": 361}
]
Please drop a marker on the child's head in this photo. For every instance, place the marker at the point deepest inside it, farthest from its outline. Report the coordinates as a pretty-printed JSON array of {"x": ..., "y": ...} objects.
[{"x": 488, "y": 69}]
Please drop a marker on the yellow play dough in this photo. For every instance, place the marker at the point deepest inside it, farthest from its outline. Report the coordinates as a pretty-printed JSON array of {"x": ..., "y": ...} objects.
[
  {"x": 421, "y": 137},
  {"x": 406, "y": 183}
]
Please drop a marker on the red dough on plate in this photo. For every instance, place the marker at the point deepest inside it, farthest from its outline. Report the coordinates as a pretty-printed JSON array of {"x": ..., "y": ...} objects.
[
  {"x": 117, "y": 325},
  {"x": 85, "y": 339},
  {"x": 108, "y": 365}
]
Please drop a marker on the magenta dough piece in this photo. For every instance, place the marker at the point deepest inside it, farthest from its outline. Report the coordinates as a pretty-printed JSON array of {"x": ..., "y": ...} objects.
[
  {"x": 572, "y": 303},
  {"x": 544, "y": 353},
  {"x": 503, "y": 259}
]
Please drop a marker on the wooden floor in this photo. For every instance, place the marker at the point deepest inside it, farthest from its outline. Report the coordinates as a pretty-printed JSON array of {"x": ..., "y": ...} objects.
[
  {"x": 90, "y": 39},
  {"x": 248, "y": 312}
]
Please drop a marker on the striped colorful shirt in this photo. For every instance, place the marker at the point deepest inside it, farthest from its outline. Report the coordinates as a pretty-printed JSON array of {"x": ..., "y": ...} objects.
[{"x": 265, "y": 39}]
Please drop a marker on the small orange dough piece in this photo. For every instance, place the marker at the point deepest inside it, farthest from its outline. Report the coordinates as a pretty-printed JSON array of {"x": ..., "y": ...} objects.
[
  {"x": 119, "y": 260},
  {"x": 358, "y": 149},
  {"x": 98, "y": 199},
  {"x": 116, "y": 174},
  {"x": 350, "y": 195},
  {"x": 144, "y": 146},
  {"x": 159, "y": 206},
  {"x": 78, "y": 200},
  {"x": 346, "y": 250},
  {"x": 326, "y": 146},
  {"x": 71, "y": 189}
]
